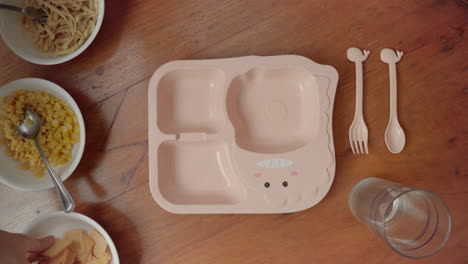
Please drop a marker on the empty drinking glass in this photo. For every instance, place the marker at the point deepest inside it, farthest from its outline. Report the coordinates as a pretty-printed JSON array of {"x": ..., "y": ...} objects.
[{"x": 414, "y": 222}]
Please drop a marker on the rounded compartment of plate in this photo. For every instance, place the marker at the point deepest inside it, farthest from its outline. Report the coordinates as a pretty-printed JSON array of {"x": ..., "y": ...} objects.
[{"x": 274, "y": 110}]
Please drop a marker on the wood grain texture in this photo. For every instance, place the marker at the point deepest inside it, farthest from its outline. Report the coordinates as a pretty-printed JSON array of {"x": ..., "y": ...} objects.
[{"x": 109, "y": 81}]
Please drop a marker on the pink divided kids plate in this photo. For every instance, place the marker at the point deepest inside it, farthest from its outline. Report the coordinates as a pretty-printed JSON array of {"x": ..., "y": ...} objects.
[{"x": 241, "y": 135}]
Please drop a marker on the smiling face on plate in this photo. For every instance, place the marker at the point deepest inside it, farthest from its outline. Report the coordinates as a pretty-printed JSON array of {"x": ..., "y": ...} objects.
[
  {"x": 282, "y": 182},
  {"x": 279, "y": 186}
]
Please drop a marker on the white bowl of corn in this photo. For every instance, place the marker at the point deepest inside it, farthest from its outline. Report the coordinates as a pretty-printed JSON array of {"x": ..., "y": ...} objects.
[{"x": 62, "y": 136}]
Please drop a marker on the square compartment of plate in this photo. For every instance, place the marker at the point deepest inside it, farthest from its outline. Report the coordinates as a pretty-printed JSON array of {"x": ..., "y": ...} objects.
[
  {"x": 189, "y": 101},
  {"x": 197, "y": 172}
]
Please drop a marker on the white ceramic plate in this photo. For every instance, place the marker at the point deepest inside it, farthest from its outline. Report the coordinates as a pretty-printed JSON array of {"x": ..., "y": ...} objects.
[
  {"x": 10, "y": 172},
  {"x": 20, "y": 41},
  {"x": 56, "y": 223}
]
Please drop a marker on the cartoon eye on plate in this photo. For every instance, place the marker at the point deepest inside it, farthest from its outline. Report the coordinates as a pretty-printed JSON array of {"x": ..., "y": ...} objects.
[
  {"x": 285, "y": 184},
  {"x": 267, "y": 185}
]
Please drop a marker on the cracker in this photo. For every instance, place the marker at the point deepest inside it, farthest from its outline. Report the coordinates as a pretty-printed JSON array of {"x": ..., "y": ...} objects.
[
  {"x": 58, "y": 247},
  {"x": 100, "y": 244},
  {"x": 76, "y": 236},
  {"x": 61, "y": 258},
  {"x": 87, "y": 250}
]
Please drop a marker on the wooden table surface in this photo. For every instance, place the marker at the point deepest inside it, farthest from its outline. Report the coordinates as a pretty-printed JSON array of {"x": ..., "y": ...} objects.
[{"x": 109, "y": 82}]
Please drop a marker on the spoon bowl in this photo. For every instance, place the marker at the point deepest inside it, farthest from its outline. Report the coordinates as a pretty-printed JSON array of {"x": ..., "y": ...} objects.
[
  {"x": 395, "y": 138},
  {"x": 31, "y": 125}
]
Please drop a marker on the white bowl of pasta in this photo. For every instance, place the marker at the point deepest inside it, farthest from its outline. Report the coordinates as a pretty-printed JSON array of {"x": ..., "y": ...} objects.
[
  {"x": 62, "y": 134},
  {"x": 70, "y": 29}
]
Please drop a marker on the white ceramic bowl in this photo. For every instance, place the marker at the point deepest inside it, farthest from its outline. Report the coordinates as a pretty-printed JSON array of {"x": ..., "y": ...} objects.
[
  {"x": 20, "y": 41},
  {"x": 56, "y": 223},
  {"x": 10, "y": 172}
]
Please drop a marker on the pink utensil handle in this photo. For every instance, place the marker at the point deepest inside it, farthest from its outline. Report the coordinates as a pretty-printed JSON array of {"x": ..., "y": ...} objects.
[
  {"x": 359, "y": 88},
  {"x": 393, "y": 89}
]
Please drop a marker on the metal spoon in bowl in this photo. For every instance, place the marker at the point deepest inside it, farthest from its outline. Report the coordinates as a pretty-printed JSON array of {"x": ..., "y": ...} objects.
[{"x": 30, "y": 128}]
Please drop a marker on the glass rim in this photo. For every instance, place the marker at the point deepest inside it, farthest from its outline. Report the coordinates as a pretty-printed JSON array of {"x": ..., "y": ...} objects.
[{"x": 444, "y": 206}]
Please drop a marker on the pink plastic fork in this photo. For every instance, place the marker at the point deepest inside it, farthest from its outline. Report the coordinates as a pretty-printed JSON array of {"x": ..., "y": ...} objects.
[{"x": 358, "y": 134}]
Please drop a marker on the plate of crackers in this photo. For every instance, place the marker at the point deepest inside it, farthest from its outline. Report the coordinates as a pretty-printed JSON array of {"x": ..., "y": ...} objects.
[{"x": 78, "y": 239}]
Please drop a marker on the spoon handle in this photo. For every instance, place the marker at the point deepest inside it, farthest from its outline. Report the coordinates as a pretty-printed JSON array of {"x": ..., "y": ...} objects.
[
  {"x": 65, "y": 197},
  {"x": 393, "y": 89}
]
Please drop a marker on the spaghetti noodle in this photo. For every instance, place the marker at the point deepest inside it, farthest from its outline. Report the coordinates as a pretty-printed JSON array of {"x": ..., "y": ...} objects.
[{"x": 69, "y": 24}]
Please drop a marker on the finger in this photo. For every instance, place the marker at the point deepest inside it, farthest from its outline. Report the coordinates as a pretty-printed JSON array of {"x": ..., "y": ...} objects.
[
  {"x": 35, "y": 257},
  {"x": 39, "y": 245},
  {"x": 31, "y": 257}
]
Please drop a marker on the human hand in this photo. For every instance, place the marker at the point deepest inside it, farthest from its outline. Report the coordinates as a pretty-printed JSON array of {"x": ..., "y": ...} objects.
[{"x": 22, "y": 249}]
